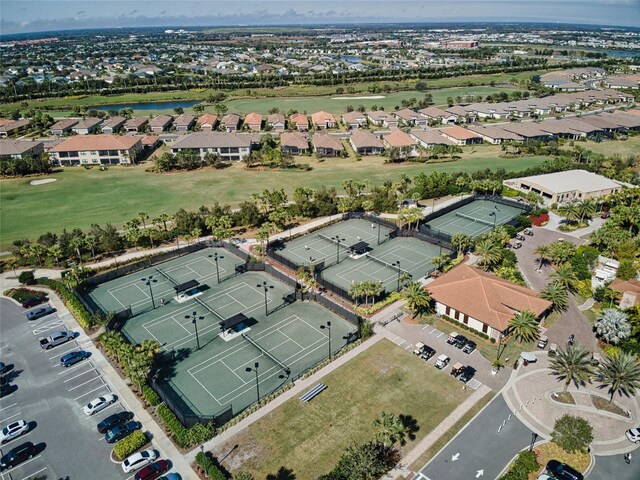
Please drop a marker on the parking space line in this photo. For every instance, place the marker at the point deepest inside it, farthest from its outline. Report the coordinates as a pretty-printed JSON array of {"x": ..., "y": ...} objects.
[
  {"x": 87, "y": 393},
  {"x": 35, "y": 473},
  {"x": 8, "y": 406},
  {"x": 83, "y": 373},
  {"x": 65, "y": 352},
  {"x": 74, "y": 367},
  {"x": 22, "y": 465},
  {"x": 84, "y": 383},
  {"x": 441, "y": 333},
  {"x": 434, "y": 330},
  {"x": 4, "y": 419},
  {"x": 425, "y": 327},
  {"x": 18, "y": 438},
  {"x": 93, "y": 417}
]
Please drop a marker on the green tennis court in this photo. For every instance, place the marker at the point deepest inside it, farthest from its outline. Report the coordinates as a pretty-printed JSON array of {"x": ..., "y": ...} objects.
[
  {"x": 285, "y": 338},
  {"x": 398, "y": 257},
  {"x": 474, "y": 218},
  {"x": 322, "y": 246}
]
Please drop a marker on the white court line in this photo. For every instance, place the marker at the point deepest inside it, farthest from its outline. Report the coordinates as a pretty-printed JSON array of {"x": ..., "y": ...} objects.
[
  {"x": 84, "y": 383},
  {"x": 90, "y": 391},
  {"x": 233, "y": 371},
  {"x": 146, "y": 296}
]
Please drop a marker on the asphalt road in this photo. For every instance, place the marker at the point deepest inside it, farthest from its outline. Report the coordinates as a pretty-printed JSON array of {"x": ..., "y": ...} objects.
[
  {"x": 479, "y": 451},
  {"x": 51, "y": 399},
  {"x": 614, "y": 467}
]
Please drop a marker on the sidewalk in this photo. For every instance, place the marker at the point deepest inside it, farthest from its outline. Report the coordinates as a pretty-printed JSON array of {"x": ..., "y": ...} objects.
[{"x": 124, "y": 393}]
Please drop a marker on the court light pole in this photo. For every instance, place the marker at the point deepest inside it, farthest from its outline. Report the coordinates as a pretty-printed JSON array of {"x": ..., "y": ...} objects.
[
  {"x": 328, "y": 327},
  {"x": 194, "y": 319},
  {"x": 266, "y": 288},
  {"x": 397, "y": 264},
  {"x": 439, "y": 255},
  {"x": 255, "y": 369},
  {"x": 215, "y": 258},
  {"x": 149, "y": 281},
  {"x": 338, "y": 240},
  {"x": 493, "y": 214}
]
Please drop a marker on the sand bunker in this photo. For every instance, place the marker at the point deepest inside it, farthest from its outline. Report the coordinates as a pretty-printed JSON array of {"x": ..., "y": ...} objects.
[
  {"x": 42, "y": 181},
  {"x": 368, "y": 97}
]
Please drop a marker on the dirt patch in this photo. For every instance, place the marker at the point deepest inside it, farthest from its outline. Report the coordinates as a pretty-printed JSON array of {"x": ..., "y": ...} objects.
[
  {"x": 603, "y": 404},
  {"x": 365, "y": 97},
  {"x": 243, "y": 452},
  {"x": 43, "y": 181},
  {"x": 563, "y": 397}
]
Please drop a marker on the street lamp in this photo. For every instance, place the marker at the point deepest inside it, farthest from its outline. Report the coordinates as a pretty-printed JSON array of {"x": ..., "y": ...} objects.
[
  {"x": 266, "y": 288},
  {"x": 328, "y": 327},
  {"x": 433, "y": 203},
  {"x": 194, "y": 319},
  {"x": 534, "y": 437},
  {"x": 338, "y": 240},
  {"x": 215, "y": 258},
  {"x": 255, "y": 369},
  {"x": 397, "y": 264},
  {"x": 493, "y": 214},
  {"x": 440, "y": 255},
  {"x": 148, "y": 281}
]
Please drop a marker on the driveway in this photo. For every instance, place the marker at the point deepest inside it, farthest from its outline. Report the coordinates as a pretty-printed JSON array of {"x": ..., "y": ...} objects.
[{"x": 572, "y": 321}]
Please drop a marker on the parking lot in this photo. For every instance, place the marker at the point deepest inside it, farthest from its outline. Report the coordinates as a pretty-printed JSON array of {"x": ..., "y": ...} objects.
[{"x": 51, "y": 398}]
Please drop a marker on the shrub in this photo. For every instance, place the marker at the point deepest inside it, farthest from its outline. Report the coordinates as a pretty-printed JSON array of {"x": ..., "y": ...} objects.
[
  {"x": 388, "y": 300},
  {"x": 524, "y": 464},
  {"x": 27, "y": 278},
  {"x": 205, "y": 462},
  {"x": 150, "y": 395},
  {"x": 129, "y": 444},
  {"x": 365, "y": 328},
  {"x": 174, "y": 425},
  {"x": 572, "y": 433},
  {"x": 71, "y": 302},
  {"x": 627, "y": 270}
]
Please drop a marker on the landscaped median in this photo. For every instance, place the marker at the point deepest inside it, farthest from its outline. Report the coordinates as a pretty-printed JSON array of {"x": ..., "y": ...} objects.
[{"x": 309, "y": 438}]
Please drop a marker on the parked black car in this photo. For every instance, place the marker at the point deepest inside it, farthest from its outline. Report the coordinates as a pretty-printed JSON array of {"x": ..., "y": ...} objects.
[
  {"x": 562, "y": 471},
  {"x": 120, "y": 431},
  {"x": 114, "y": 420},
  {"x": 467, "y": 374},
  {"x": 33, "y": 301},
  {"x": 17, "y": 455},
  {"x": 427, "y": 352},
  {"x": 461, "y": 341},
  {"x": 469, "y": 347}
]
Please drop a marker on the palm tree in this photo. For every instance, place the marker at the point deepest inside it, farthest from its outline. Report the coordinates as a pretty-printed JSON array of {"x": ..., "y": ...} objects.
[
  {"x": 488, "y": 252},
  {"x": 572, "y": 365},
  {"x": 142, "y": 217},
  {"x": 461, "y": 241},
  {"x": 586, "y": 208},
  {"x": 164, "y": 218},
  {"x": 557, "y": 295},
  {"x": 565, "y": 277},
  {"x": 570, "y": 211},
  {"x": 417, "y": 297},
  {"x": 524, "y": 326},
  {"x": 619, "y": 371},
  {"x": 356, "y": 291},
  {"x": 391, "y": 429},
  {"x": 543, "y": 251}
]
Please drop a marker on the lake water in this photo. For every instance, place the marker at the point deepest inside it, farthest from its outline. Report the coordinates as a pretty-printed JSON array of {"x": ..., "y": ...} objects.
[
  {"x": 149, "y": 105},
  {"x": 615, "y": 53},
  {"x": 351, "y": 59}
]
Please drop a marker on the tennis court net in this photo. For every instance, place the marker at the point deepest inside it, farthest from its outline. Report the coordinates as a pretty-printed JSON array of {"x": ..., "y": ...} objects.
[
  {"x": 162, "y": 272},
  {"x": 474, "y": 219},
  {"x": 265, "y": 353},
  {"x": 333, "y": 240},
  {"x": 208, "y": 308},
  {"x": 387, "y": 264}
]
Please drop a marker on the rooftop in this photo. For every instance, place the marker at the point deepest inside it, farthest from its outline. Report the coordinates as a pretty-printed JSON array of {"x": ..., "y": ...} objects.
[
  {"x": 572, "y": 180},
  {"x": 96, "y": 142},
  {"x": 212, "y": 140}
]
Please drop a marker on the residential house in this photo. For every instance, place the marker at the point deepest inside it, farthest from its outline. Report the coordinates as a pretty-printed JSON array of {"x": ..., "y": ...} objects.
[
  {"x": 354, "y": 120},
  {"x": 494, "y": 134},
  {"x": 460, "y": 136},
  {"x": 113, "y": 125},
  {"x": 229, "y": 146},
  {"x": 96, "y": 150},
  {"x": 277, "y": 122},
  {"x": 20, "y": 148},
  {"x": 463, "y": 114},
  {"x": 436, "y": 114},
  {"x": 527, "y": 130},
  {"x": 184, "y": 122},
  {"x": 87, "y": 126},
  {"x": 380, "y": 118},
  {"x": 295, "y": 143},
  {"x": 398, "y": 139},
  {"x": 410, "y": 117},
  {"x": 161, "y": 123},
  {"x": 208, "y": 122},
  {"x": 560, "y": 129},
  {"x": 253, "y": 121},
  {"x": 327, "y": 145},
  {"x": 230, "y": 122},
  {"x": 14, "y": 128},
  {"x": 629, "y": 290},
  {"x": 136, "y": 124},
  {"x": 322, "y": 120},
  {"x": 488, "y": 303},
  {"x": 365, "y": 143},
  {"x": 601, "y": 123},
  {"x": 429, "y": 138},
  {"x": 630, "y": 122},
  {"x": 150, "y": 142},
  {"x": 300, "y": 122},
  {"x": 63, "y": 126}
]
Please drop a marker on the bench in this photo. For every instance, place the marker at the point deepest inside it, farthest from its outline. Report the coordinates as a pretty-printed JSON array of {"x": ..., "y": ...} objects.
[{"x": 311, "y": 394}]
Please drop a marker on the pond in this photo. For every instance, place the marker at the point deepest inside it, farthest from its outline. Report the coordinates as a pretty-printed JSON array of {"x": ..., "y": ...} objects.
[{"x": 149, "y": 105}]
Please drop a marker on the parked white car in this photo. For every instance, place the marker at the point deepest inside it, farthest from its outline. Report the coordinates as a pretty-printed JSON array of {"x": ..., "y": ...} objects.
[
  {"x": 633, "y": 434},
  {"x": 100, "y": 403},
  {"x": 13, "y": 430},
  {"x": 139, "y": 460}
]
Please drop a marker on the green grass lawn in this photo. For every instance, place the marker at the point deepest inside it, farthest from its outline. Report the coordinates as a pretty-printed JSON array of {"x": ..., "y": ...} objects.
[
  {"x": 631, "y": 146},
  {"x": 81, "y": 197},
  {"x": 309, "y": 438}
]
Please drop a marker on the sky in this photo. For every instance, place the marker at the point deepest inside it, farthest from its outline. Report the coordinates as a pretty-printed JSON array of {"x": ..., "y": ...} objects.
[{"x": 20, "y": 16}]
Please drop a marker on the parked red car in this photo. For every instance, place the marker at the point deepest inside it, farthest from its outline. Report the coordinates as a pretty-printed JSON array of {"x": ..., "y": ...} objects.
[
  {"x": 153, "y": 471},
  {"x": 33, "y": 301}
]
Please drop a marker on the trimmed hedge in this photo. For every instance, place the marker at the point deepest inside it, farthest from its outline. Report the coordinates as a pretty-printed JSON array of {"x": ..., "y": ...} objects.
[
  {"x": 465, "y": 327},
  {"x": 174, "y": 425},
  {"x": 523, "y": 465},
  {"x": 129, "y": 444},
  {"x": 151, "y": 396},
  {"x": 72, "y": 303},
  {"x": 388, "y": 300},
  {"x": 210, "y": 469}
]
